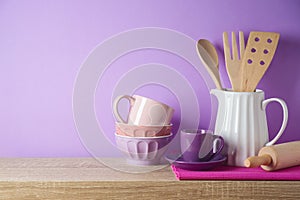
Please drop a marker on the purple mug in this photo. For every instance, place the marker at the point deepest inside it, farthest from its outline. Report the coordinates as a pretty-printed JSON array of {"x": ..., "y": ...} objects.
[{"x": 200, "y": 145}]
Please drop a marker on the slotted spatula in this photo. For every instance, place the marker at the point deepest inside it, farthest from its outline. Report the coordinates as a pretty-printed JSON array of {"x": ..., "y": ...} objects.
[{"x": 259, "y": 52}]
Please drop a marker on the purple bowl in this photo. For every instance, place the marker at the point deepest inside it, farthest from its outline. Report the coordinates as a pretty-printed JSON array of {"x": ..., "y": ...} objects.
[{"x": 143, "y": 150}]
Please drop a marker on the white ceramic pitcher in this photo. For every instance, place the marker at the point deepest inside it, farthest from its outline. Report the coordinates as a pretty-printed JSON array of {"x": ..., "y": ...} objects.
[{"x": 241, "y": 121}]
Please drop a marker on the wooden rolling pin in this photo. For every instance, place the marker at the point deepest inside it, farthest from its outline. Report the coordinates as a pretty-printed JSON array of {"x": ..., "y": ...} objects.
[{"x": 276, "y": 157}]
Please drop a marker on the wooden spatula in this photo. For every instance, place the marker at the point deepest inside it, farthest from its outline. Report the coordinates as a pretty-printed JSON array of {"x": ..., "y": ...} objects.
[{"x": 259, "y": 52}]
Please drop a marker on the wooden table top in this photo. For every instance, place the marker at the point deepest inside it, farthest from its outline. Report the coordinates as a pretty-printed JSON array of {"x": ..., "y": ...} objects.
[{"x": 87, "y": 178}]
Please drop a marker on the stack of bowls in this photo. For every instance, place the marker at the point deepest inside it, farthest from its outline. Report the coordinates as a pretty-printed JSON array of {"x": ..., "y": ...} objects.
[{"x": 145, "y": 136}]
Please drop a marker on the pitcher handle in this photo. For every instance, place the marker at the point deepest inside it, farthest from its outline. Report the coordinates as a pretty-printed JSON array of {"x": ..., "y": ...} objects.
[
  {"x": 284, "y": 120},
  {"x": 115, "y": 106}
]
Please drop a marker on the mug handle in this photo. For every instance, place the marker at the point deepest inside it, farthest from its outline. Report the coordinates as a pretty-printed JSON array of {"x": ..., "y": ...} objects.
[
  {"x": 116, "y": 103},
  {"x": 285, "y": 117},
  {"x": 218, "y": 145}
]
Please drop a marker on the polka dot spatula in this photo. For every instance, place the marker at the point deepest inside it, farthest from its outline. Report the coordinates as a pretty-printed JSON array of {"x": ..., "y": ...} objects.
[{"x": 259, "y": 52}]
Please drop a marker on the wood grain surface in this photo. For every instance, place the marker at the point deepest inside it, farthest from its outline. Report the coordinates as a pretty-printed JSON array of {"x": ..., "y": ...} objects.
[{"x": 86, "y": 178}]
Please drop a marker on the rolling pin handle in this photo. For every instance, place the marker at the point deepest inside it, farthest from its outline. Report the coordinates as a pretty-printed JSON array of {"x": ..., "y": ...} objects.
[{"x": 256, "y": 161}]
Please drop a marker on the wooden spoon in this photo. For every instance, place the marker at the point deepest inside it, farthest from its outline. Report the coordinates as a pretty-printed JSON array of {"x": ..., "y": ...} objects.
[{"x": 209, "y": 57}]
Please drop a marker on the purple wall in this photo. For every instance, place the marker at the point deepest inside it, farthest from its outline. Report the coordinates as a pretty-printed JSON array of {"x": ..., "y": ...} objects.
[{"x": 43, "y": 44}]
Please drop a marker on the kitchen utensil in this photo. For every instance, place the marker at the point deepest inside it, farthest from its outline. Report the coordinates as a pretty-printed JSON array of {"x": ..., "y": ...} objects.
[
  {"x": 209, "y": 57},
  {"x": 276, "y": 157},
  {"x": 259, "y": 52},
  {"x": 234, "y": 61},
  {"x": 241, "y": 121},
  {"x": 200, "y": 145},
  {"x": 142, "y": 131},
  {"x": 144, "y": 111},
  {"x": 196, "y": 166}
]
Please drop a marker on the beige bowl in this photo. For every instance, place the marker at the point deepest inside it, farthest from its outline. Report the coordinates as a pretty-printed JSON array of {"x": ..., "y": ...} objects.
[{"x": 142, "y": 131}]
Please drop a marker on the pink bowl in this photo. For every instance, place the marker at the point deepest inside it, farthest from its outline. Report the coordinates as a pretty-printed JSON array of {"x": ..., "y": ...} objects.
[
  {"x": 142, "y": 131},
  {"x": 143, "y": 150}
]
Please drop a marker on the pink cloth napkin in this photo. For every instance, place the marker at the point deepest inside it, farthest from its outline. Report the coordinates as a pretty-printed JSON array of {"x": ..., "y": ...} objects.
[{"x": 237, "y": 173}]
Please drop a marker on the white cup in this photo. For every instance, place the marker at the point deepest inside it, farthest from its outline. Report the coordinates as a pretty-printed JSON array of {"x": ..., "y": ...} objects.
[{"x": 144, "y": 111}]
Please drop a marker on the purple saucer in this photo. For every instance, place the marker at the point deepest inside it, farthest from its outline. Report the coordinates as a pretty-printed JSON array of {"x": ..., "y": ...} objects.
[{"x": 196, "y": 166}]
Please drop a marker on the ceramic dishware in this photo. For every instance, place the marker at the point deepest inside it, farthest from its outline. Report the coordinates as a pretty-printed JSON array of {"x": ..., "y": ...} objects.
[
  {"x": 209, "y": 57},
  {"x": 216, "y": 161},
  {"x": 241, "y": 121},
  {"x": 200, "y": 145},
  {"x": 143, "y": 150},
  {"x": 144, "y": 111},
  {"x": 142, "y": 131}
]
